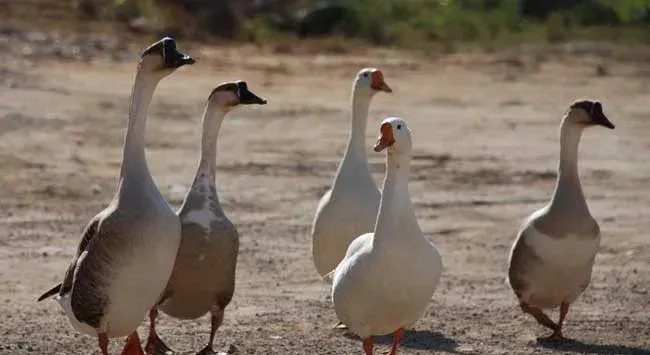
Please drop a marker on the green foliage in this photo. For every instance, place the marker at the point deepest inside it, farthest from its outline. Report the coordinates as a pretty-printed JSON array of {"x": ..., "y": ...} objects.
[
  {"x": 123, "y": 10},
  {"x": 129, "y": 9},
  {"x": 256, "y": 30},
  {"x": 404, "y": 21},
  {"x": 485, "y": 22},
  {"x": 444, "y": 23},
  {"x": 628, "y": 11},
  {"x": 556, "y": 27}
]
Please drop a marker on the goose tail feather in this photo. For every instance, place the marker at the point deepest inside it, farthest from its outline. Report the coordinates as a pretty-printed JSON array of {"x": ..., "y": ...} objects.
[{"x": 53, "y": 291}]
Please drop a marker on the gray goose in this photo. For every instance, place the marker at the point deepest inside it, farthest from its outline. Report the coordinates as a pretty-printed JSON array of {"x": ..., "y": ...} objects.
[
  {"x": 552, "y": 258},
  {"x": 127, "y": 251},
  {"x": 203, "y": 279}
]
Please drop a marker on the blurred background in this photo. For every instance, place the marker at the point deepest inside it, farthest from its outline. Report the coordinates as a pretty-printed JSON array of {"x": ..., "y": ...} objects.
[
  {"x": 445, "y": 24},
  {"x": 482, "y": 84}
]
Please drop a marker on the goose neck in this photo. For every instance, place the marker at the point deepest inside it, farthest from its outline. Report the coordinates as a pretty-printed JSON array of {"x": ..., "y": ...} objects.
[
  {"x": 213, "y": 116},
  {"x": 357, "y": 142},
  {"x": 397, "y": 170},
  {"x": 133, "y": 160},
  {"x": 568, "y": 187},
  {"x": 396, "y": 215}
]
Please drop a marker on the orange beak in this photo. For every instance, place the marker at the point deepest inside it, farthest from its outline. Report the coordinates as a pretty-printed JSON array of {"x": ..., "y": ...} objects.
[
  {"x": 378, "y": 82},
  {"x": 386, "y": 138}
]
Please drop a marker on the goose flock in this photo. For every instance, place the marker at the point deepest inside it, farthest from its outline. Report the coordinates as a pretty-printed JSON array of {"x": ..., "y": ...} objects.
[{"x": 138, "y": 257}]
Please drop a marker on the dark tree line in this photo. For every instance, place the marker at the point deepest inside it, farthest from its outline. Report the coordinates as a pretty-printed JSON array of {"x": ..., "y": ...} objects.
[{"x": 365, "y": 18}]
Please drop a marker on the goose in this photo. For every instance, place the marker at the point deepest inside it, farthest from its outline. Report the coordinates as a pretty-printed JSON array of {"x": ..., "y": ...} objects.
[
  {"x": 553, "y": 255},
  {"x": 203, "y": 278},
  {"x": 349, "y": 208},
  {"x": 127, "y": 251},
  {"x": 387, "y": 277}
]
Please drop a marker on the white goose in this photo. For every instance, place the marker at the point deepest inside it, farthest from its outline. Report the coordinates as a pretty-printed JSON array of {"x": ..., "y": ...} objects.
[
  {"x": 127, "y": 251},
  {"x": 387, "y": 278},
  {"x": 203, "y": 279},
  {"x": 551, "y": 260},
  {"x": 349, "y": 208}
]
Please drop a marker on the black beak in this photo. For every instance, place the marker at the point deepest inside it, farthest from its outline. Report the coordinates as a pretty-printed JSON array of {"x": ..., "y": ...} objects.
[
  {"x": 598, "y": 117},
  {"x": 247, "y": 97},
  {"x": 184, "y": 59},
  {"x": 173, "y": 57},
  {"x": 178, "y": 59},
  {"x": 603, "y": 121}
]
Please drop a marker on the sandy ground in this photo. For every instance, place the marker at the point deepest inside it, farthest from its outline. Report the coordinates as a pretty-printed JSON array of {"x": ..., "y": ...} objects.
[{"x": 486, "y": 148}]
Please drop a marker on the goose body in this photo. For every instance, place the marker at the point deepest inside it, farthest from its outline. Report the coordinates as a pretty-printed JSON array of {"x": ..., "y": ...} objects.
[
  {"x": 552, "y": 257},
  {"x": 203, "y": 278},
  {"x": 559, "y": 268},
  {"x": 387, "y": 277},
  {"x": 349, "y": 208},
  {"x": 111, "y": 282},
  {"x": 127, "y": 251}
]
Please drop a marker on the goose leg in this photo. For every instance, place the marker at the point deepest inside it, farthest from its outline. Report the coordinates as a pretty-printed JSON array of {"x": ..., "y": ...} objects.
[
  {"x": 132, "y": 346},
  {"x": 367, "y": 346},
  {"x": 537, "y": 313},
  {"x": 557, "y": 333},
  {"x": 215, "y": 322},
  {"x": 155, "y": 346},
  {"x": 397, "y": 336},
  {"x": 103, "y": 343}
]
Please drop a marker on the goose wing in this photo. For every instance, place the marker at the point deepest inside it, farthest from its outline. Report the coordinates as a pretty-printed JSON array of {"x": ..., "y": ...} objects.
[{"x": 64, "y": 287}]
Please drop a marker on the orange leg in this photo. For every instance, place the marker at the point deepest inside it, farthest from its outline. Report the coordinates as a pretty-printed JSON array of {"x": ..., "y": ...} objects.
[
  {"x": 557, "y": 333},
  {"x": 541, "y": 318},
  {"x": 215, "y": 322},
  {"x": 367, "y": 346},
  {"x": 154, "y": 344},
  {"x": 397, "y": 336},
  {"x": 132, "y": 346},
  {"x": 103, "y": 343}
]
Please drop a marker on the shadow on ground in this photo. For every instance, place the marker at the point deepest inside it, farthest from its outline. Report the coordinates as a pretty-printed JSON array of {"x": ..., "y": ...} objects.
[
  {"x": 417, "y": 339},
  {"x": 584, "y": 348}
]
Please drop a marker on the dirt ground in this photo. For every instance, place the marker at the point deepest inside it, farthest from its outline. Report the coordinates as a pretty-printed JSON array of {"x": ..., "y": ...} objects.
[{"x": 485, "y": 153}]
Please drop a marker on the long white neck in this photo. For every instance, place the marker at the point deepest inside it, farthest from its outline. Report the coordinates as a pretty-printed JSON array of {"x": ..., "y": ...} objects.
[
  {"x": 356, "y": 148},
  {"x": 396, "y": 217},
  {"x": 568, "y": 190},
  {"x": 213, "y": 116},
  {"x": 354, "y": 165},
  {"x": 134, "y": 162}
]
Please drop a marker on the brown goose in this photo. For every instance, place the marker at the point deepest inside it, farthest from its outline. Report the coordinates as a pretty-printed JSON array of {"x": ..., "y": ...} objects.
[
  {"x": 552, "y": 258},
  {"x": 203, "y": 279},
  {"x": 127, "y": 251}
]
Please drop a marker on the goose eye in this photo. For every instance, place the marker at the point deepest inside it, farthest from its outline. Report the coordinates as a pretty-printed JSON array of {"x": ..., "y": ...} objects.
[
  {"x": 399, "y": 126},
  {"x": 365, "y": 75}
]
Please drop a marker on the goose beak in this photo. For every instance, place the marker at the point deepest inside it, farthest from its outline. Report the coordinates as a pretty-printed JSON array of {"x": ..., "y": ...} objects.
[
  {"x": 386, "y": 138},
  {"x": 247, "y": 97},
  {"x": 602, "y": 120},
  {"x": 172, "y": 56},
  {"x": 378, "y": 82},
  {"x": 597, "y": 116},
  {"x": 185, "y": 59},
  {"x": 178, "y": 59}
]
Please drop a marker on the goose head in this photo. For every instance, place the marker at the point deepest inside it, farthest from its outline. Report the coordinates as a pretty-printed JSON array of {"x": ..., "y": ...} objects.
[
  {"x": 587, "y": 113},
  {"x": 234, "y": 93},
  {"x": 162, "y": 58},
  {"x": 370, "y": 81},
  {"x": 395, "y": 136}
]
